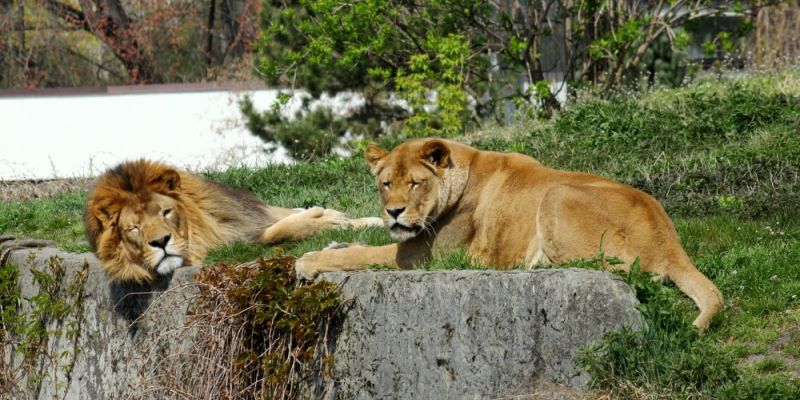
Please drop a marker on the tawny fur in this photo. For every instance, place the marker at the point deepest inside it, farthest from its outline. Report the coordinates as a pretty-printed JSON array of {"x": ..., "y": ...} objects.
[
  {"x": 145, "y": 218},
  {"x": 509, "y": 210}
]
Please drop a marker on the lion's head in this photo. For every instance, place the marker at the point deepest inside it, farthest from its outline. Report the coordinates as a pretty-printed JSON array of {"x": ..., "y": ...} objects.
[
  {"x": 135, "y": 221},
  {"x": 418, "y": 181}
]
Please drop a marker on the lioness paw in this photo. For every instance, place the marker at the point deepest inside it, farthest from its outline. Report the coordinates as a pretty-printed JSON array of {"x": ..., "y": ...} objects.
[
  {"x": 367, "y": 222},
  {"x": 303, "y": 266},
  {"x": 336, "y": 245}
]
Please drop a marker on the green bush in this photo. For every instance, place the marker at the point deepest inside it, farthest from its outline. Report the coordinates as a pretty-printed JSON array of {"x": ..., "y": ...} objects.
[
  {"x": 9, "y": 300},
  {"x": 727, "y": 147},
  {"x": 460, "y": 63},
  {"x": 306, "y": 137}
]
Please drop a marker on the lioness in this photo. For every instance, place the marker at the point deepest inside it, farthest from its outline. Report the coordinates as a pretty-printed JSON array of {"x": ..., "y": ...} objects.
[
  {"x": 507, "y": 210},
  {"x": 145, "y": 218}
]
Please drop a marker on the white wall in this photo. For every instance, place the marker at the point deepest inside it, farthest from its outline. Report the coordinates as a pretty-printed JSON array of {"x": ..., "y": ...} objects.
[{"x": 68, "y": 136}]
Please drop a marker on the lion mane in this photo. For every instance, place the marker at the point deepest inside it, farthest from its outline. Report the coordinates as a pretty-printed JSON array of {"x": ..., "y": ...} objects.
[{"x": 144, "y": 218}]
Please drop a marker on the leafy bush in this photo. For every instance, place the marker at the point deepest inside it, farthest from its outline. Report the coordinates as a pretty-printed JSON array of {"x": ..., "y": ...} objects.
[
  {"x": 307, "y": 137},
  {"x": 9, "y": 300}
]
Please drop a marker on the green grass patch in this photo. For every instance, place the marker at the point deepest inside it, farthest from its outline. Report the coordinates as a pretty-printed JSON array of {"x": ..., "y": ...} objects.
[
  {"x": 754, "y": 387},
  {"x": 339, "y": 183},
  {"x": 455, "y": 259},
  {"x": 59, "y": 218},
  {"x": 768, "y": 365},
  {"x": 667, "y": 353},
  {"x": 728, "y": 147}
]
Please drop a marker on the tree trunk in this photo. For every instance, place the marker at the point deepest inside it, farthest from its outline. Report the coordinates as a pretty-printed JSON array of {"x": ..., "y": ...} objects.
[
  {"x": 6, "y": 25},
  {"x": 231, "y": 11},
  {"x": 210, "y": 32}
]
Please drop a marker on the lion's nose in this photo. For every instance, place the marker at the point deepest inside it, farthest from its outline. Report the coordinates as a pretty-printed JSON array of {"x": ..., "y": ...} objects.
[
  {"x": 395, "y": 212},
  {"x": 160, "y": 243}
]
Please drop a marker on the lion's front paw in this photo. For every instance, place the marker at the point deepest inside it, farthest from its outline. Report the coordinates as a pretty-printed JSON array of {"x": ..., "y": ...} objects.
[
  {"x": 320, "y": 219},
  {"x": 305, "y": 266},
  {"x": 315, "y": 220}
]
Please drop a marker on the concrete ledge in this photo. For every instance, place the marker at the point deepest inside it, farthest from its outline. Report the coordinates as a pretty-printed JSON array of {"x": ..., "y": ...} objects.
[
  {"x": 406, "y": 335},
  {"x": 470, "y": 334}
]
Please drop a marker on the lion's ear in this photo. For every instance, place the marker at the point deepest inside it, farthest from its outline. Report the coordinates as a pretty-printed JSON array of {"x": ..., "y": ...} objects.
[
  {"x": 97, "y": 218},
  {"x": 168, "y": 181},
  {"x": 374, "y": 154},
  {"x": 435, "y": 153}
]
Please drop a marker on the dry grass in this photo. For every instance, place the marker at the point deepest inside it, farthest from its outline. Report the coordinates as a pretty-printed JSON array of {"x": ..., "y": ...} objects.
[
  {"x": 776, "y": 34},
  {"x": 254, "y": 334},
  {"x": 41, "y": 188}
]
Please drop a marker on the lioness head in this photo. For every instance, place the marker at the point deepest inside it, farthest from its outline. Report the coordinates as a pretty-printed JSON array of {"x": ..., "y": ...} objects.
[
  {"x": 135, "y": 221},
  {"x": 418, "y": 181}
]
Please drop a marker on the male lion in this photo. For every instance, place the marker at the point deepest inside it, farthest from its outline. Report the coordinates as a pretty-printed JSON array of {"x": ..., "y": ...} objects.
[
  {"x": 508, "y": 209},
  {"x": 145, "y": 218}
]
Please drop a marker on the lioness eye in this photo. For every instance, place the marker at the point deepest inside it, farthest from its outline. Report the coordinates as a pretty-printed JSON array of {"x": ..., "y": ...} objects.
[
  {"x": 386, "y": 184},
  {"x": 414, "y": 184},
  {"x": 133, "y": 229},
  {"x": 166, "y": 212}
]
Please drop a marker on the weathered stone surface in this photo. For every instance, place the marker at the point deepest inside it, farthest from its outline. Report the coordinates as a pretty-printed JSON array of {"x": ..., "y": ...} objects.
[
  {"x": 105, "y": 346},
  {"x": 470, "y": 334},
  {"x": 406, "y": 335}
]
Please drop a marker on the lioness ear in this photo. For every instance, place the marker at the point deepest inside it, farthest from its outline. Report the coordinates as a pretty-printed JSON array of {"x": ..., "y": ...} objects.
[
  {"x": 168, "y": 181},
  {"x": 435, "y": 153},
  {"x": 374, "y": 154}
]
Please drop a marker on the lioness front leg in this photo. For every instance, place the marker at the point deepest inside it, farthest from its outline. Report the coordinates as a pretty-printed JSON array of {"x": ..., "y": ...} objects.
[
  {"x": 352, "y": 258},
  {"x": 301, "y": 224}
]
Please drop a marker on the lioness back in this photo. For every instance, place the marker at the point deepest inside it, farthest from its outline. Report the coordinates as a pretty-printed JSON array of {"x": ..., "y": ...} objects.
[{"x": 509, "y": 210}]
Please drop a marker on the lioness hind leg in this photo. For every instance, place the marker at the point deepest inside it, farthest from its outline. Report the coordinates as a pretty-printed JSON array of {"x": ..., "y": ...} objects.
[{"x": 623, "y": 223}]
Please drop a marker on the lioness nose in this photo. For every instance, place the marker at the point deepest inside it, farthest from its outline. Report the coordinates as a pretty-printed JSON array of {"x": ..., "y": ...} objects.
[
  {"x": 160, "y": 243},
  {"x": 395, "y": 212}
]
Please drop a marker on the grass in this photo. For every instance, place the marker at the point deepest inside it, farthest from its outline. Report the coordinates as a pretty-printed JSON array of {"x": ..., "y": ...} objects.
[{"x": 724, "y": 159}]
